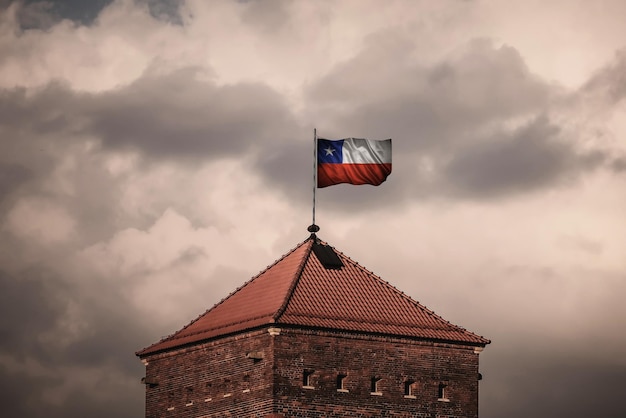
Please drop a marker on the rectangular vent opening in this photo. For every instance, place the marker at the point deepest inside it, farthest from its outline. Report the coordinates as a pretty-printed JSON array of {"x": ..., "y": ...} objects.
[{"x": 327, "y": 256}]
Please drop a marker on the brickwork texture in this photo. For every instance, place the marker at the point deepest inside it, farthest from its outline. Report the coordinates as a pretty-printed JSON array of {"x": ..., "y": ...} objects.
[{"x": 313, "y": 374}]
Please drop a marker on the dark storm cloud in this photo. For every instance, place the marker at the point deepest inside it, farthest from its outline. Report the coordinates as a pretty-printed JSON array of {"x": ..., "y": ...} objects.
[
  {"x": 531, "y": 157},
  {"x": 172, "y": 116},
  {"x": 178, "y": 115},
  {"x": 554, "y": 384},
  {"x": 21, "y": 394},
  {"x": 11, "y": 177},
  {"x": 36, "y": 15},
  {"x": 165, "y": 10},
  {"x": 560, "y": 351},
  {"x": 29, "y": 305},
  {"x": 48, "y": 110},
  {"x": 36, "y": 298},
  {"x": 289, "y": 165},
  {"x": 34, "y": 302},
  {"x": 42, "y": 14}
]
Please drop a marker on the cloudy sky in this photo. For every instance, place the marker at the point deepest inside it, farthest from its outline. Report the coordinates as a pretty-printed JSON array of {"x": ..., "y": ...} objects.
[{"x": 156, "y": 154}]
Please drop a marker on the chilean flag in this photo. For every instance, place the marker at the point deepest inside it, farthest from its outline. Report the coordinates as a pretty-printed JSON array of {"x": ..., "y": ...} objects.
[{"x": 353, "y": 161}]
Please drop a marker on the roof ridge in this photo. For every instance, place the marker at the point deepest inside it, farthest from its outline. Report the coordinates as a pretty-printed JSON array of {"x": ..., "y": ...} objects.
[{"x": 297, "y": 276}]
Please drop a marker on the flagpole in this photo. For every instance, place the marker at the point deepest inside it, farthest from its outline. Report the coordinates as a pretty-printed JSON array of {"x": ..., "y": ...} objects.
[
  {"x": 314, "y": 169},
  {"x": 314, "y": 228}
]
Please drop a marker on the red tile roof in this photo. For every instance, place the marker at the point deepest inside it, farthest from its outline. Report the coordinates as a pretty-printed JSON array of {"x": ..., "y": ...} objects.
[{"x": 298, "y": 290}]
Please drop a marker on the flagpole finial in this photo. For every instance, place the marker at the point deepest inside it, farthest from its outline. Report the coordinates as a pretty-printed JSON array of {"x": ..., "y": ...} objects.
[{"x": 313, "y": 229}]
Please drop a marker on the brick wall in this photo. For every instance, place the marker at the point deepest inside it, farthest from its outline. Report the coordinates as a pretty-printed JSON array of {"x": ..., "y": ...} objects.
[
  {"x": 423, "y": 366},
  {"x": 216, "y": 379}
]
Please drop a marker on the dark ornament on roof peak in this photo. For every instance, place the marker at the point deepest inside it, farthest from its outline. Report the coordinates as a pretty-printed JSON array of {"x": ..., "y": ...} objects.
[{"x": 313, "y": 229}]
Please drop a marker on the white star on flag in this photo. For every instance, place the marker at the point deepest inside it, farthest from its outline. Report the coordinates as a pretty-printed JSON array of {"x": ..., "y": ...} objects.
[{"x": 329, "y": 151}]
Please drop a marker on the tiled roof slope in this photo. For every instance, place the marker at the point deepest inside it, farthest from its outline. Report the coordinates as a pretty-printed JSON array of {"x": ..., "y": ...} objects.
[{"x": 299, "y": 290}]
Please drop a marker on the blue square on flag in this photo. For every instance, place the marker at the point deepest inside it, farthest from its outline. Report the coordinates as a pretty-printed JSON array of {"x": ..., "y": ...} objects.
[{"x": 330, "y": 151}]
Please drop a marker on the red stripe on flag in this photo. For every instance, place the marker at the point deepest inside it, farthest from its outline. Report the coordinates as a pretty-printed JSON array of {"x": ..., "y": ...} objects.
[{"x": 374, "y": 174}]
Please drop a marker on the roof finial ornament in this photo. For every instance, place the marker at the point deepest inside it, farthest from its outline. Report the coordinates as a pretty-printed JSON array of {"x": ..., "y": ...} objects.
[{"x": 313, "y": 229}]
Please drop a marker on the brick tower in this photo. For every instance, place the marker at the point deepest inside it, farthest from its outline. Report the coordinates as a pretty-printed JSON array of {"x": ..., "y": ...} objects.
[{"x": 315, "y": 335}]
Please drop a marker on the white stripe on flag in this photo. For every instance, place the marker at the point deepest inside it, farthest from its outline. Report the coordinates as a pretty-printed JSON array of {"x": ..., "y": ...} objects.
[{"x": 366, "y": 151}]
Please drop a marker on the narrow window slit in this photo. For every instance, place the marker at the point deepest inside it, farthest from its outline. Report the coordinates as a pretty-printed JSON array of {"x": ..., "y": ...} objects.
[
  {"x": 375, "y": 386},
  {"x": 341, "y": 383},
  {"x": 409, "y": 389},
  {"x": 442, "y": 393},
  {"x": 306, "y": 379}
]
